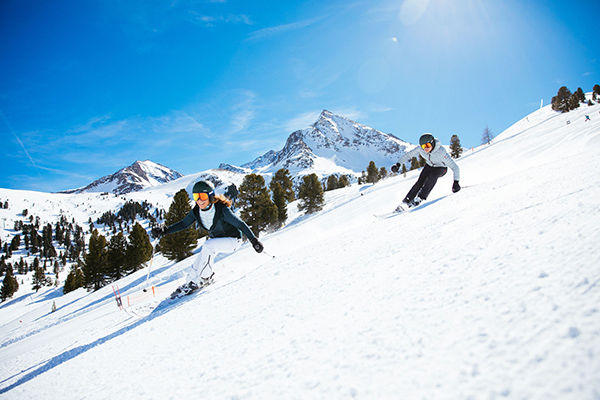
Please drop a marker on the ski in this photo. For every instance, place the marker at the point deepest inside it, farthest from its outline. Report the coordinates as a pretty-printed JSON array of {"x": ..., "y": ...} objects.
[
  {"x": 401, "y": 209},
  {"x": 182, "y": 290},
  {"x": 389, "y": 214}
]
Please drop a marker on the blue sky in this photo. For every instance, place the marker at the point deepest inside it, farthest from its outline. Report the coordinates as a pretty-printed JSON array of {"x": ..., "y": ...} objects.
[{"x": 88, "y": 87}]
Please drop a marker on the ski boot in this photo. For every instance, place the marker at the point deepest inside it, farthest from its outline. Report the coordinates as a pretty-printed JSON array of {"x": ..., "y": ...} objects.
[
  {"x": 207, "y": 281},
  {"x": 185, "y": 289}
]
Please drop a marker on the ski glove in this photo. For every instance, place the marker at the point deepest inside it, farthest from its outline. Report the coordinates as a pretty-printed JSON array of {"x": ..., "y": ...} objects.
[
  {"x": 159, "y": 231},
  {"x": 258, "y": 247},
  {"x": 455, "y": 187},
  {"x": 395, "y": 168}
]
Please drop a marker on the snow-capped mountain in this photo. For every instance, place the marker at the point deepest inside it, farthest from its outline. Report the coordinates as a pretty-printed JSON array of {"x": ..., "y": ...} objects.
[
  {"x": 332, "y": 145},
  {"x": 137, "y": 176}
]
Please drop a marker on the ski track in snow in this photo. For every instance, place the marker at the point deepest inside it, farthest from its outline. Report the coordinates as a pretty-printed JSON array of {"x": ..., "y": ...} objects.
[{"x": 492, "y": 292}]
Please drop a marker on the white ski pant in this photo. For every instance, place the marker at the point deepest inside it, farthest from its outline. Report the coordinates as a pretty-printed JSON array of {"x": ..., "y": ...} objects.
[{"x": 203, "y": 266}]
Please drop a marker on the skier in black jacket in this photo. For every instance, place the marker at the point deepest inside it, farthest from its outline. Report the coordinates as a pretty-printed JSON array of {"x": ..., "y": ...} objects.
[{"x": 224, "y": 228}]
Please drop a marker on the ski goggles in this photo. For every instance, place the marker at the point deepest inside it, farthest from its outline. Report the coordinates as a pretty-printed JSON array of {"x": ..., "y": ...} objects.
[
  {"x": 202, "y": 196},
  {"x": 426, "y": 146}
]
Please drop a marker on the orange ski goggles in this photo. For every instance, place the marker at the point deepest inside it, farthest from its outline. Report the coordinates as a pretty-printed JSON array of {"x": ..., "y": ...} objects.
[
  {"x": 426, "y": 146},
  {"x": 201, "y": 196}
]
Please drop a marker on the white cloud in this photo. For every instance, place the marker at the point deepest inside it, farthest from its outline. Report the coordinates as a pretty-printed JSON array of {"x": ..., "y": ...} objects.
[
  {"x": 274, "y": 30},
  {"x": 350, "y": 113},
  {"x": 301, "y": 121},
  {"x": 18, "y": 139},
  {"x": 211, "y": 20},
  {"x": 241, "y": 120},
  {"x": 178, "y": 122},
  {"x": 243, "y": 112}
]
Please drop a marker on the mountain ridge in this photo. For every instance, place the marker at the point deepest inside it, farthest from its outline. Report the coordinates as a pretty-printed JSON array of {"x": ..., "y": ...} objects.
[
  {"x": 333, "y": 144},
  {"x": 137, "y": 176}
]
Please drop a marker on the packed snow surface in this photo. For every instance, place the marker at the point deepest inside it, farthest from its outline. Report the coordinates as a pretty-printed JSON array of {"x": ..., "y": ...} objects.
[{"x": 492, "y": 292}]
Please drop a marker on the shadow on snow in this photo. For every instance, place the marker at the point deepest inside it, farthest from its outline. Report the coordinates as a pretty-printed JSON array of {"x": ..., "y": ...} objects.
[{"x": 161, "y": 309}]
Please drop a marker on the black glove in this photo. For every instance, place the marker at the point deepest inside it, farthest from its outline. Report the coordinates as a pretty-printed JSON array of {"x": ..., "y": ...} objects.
[
  {"x": 159, "y": 231},
  {"x": 258, "y": 246},
  {"x": 455, "y": 187},
  {"x": 395, "y": 168}
]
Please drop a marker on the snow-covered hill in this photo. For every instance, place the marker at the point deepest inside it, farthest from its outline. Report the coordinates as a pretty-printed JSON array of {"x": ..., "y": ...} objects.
[
  {"x": 137, "y": 176},
  {"x": 492, "y": 292}
]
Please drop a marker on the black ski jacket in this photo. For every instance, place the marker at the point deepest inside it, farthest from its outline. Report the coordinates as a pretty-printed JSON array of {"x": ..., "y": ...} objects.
[{"x": 225, "y": 223}]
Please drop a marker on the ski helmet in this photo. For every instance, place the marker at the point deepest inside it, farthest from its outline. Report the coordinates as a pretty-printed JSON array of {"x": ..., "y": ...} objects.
[
  {"x": 204, "y": 187},
  {"x": 426, "y": 138}
]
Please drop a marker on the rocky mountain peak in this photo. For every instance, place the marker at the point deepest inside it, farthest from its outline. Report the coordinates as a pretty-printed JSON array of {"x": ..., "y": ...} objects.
[
  {"x": 137, "y": 176},
  {"x": 333, "y": 140}
]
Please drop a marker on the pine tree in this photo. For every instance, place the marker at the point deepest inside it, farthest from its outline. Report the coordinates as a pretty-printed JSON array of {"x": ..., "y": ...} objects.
[
  {"x": 257, "y": 209},
  {"x": 332, "y": 182},
  {"x": 343, "y": 181},
  {"x": 117, "y": 256},
  {"x": 560, "y": 102},
  {"x": 59, "y": 233},
  {"x": 280, "y": 202},
  {"x": 74, "y": 280},
  {"x": 372, "y": 173},
  {"x": 139, "y": 249},
  {"x": 282, "y": 176},
  {"x": 487, "y": 136},
  {"x": 178, "y": 246},
  {"x": 596, "y": 89},
  {"x": 56, "y": 269},
  {"x": 404, "y": 170},
  {"x": 580, "y": 95},
  {"x": 383, "y": 173},
  {"x": 48, "y": 247},
  {"x": 9, "y": 285},
  {"x": 231, "y": 193},
  {"x": 39, "y": 279},
  {"x": 414, "y": 163},
  {"x": 282, "y": 188},
  {"x": 573, "y": 101},
  {"x": 363, "y": 178},
  {"x": 455, "y": 148},
  {"x": 94, "y": 267},
  {"x": 310, "y": 194},
  {"x": 15, "y": 243}
]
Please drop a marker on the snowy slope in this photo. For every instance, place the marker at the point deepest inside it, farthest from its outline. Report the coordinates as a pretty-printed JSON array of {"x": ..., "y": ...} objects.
[{"x": 492, "y": 292}]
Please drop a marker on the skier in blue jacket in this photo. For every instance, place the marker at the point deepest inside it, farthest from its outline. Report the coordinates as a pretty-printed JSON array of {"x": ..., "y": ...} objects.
[
  {"x": 224, "y": 228},
  {"x": 437, "y": 162}
]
